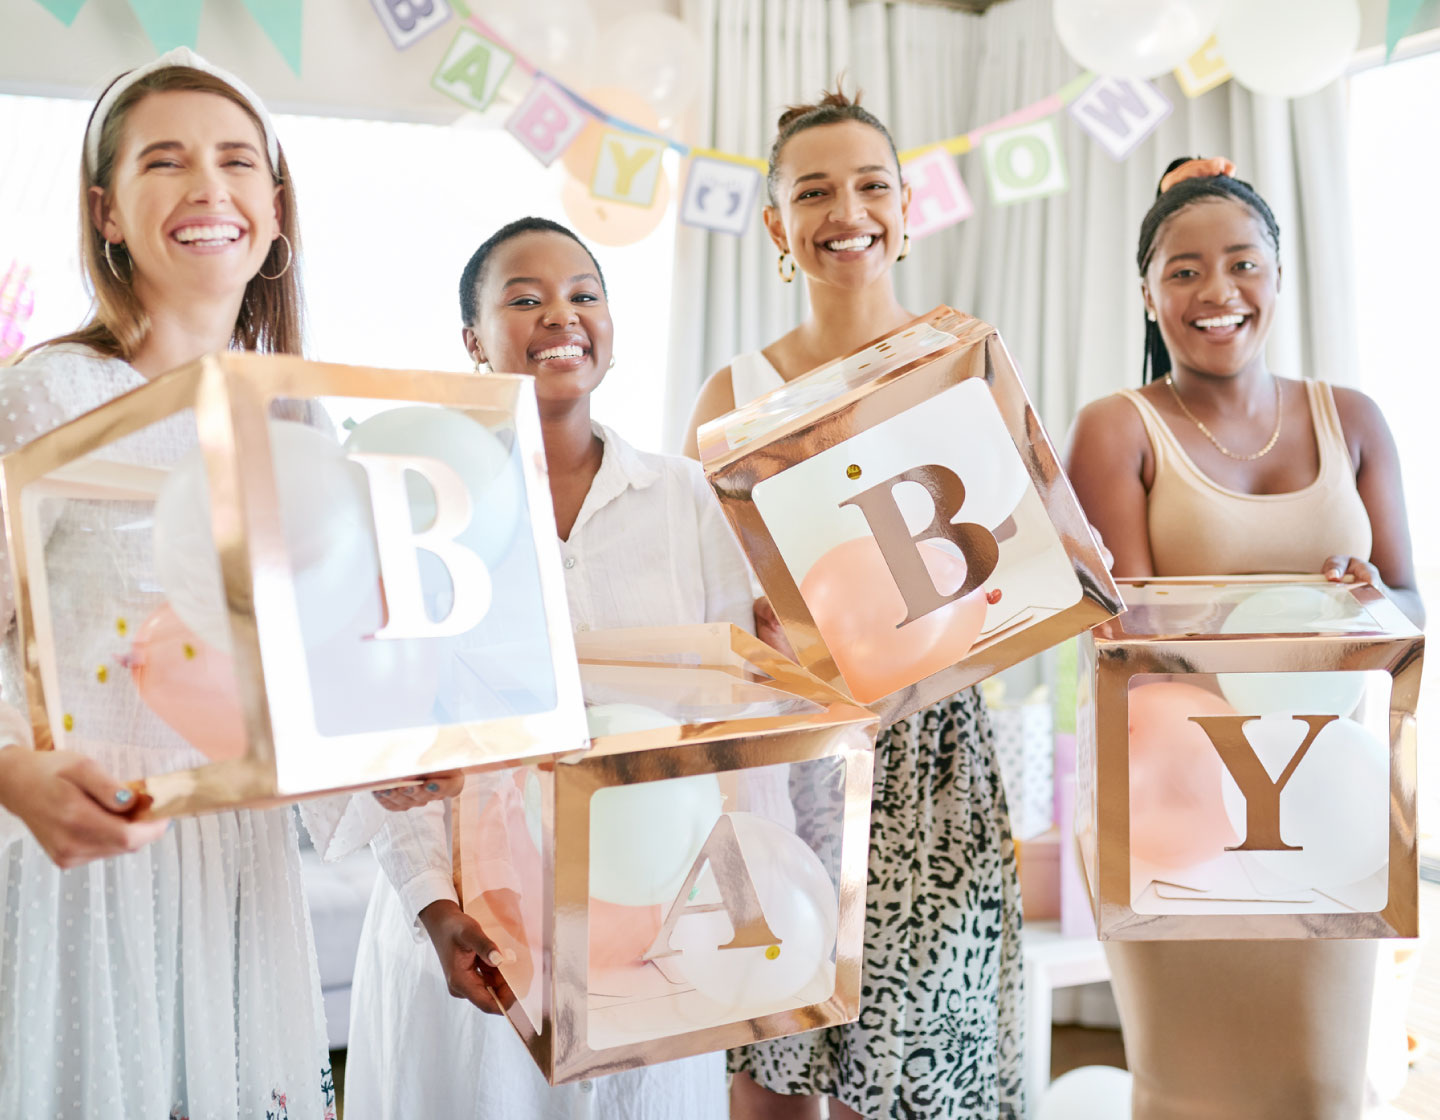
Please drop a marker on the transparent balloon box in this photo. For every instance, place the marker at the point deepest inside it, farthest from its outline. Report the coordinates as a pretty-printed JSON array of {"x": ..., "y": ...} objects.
[
  {"x": 694, "y": 881},
  {"x": 1247, "y": 762},
  {"x": 256, "y": 579},
  {"x": 907, "y": 516}
]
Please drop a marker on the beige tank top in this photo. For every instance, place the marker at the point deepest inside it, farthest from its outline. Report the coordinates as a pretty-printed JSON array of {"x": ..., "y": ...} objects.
[{"x": 1198, "y": 527}]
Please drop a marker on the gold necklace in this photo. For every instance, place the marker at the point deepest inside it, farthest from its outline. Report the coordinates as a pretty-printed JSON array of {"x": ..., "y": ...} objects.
[{"x": 1220, "y": 447}]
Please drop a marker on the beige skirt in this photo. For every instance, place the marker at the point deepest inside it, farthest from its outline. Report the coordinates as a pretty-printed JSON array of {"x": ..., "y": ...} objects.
[{"x": 1245, "y": 1030}]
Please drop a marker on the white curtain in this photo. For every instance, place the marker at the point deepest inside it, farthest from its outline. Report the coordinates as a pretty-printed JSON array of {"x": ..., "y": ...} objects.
[{"x": 1056, "y": 276}]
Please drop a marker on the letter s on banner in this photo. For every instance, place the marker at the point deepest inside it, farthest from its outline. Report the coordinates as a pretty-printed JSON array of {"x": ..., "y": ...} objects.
[{"x": 397, "y": 542}]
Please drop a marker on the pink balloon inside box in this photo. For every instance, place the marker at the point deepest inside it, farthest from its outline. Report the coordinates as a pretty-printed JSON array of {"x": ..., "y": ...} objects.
[
  {"x": 907, "y": 516},
  {"x": 1246, "y": 762},
  {"x": 694, "y": 880},
  {"x": 258, "y": 579}
]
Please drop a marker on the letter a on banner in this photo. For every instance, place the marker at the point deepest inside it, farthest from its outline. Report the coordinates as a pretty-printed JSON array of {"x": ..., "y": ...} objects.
[
  {"x": 472, "y": 70},
  {"x": 406, "y": 21},
  {"x": 546, "y": 122},
  {"x": 627, "y": 168},
  {"x": 1203, "y": 70},
  {"x": 1025, "y": 162},
  {"x": 719, "y": 195},
  {"x": 1119, "y": 113},
  {"x": 938, "y": 197}
]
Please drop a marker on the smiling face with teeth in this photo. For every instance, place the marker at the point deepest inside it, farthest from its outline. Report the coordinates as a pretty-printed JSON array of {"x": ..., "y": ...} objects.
[
  {"x": 840, "y": 204},
  {"x": 192, "y": 198},
  {"x": 1212, "y": 283},
  {"x": 541, "y": 309}
]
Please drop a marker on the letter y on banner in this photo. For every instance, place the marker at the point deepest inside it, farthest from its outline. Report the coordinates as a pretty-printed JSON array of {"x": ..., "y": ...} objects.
[{"x": 627, "y": 168}]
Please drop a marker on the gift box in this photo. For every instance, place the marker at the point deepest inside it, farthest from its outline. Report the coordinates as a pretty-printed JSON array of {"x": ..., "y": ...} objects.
[
  {"x": 696, "y": 880},
  {"x": 907, "y": 516},
  {"x": 1247, "y": 762},
  {"x": 226, "y": 601}
]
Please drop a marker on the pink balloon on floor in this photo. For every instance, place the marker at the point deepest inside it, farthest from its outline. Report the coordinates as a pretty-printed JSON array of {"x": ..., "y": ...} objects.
[
  {"x": 1177, "y": 811},
  {"x": 189, "y": 685},
  {"x": 857, "y": 606}
]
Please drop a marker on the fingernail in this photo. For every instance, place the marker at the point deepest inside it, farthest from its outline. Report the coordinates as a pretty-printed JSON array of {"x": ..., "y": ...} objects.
[
  {"x": 123, "y": 797},
  {"x": 432, "y": 786},
  {"x": 496, "y": 958}
]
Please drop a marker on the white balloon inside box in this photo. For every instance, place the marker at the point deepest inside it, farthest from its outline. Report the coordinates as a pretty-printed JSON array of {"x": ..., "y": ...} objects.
[
  {"x": 700, "y": 868},
  {"x": 1247, "y": 761},
  {"x": 906, "y": 515},
  {"x": 306, "y": 613}
]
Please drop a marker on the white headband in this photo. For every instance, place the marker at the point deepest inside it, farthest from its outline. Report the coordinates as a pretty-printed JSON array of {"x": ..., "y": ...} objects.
[{"x": 180, "y": 56}]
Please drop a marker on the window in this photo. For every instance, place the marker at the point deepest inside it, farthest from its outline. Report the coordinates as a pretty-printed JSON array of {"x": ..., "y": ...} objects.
[{"x": 390, "y": 214}]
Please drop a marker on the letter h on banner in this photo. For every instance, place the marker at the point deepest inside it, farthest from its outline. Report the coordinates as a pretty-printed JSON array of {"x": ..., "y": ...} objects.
[
  {"x": 1120, "y": 112},
  {"x": 546, "y": 121},
  {"x": 938, "y": 197}
]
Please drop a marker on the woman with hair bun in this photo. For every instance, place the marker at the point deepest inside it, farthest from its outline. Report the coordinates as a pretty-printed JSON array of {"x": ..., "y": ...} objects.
[
  {"x": 940, "y": 1031},
  {"x": 145, "y": 970},
  {"x": 1216, "y": 467}
]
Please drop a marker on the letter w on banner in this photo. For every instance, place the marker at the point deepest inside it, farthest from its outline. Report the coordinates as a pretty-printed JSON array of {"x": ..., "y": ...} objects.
[
  {"x": 938, "y": 197},
  {"x": 627, "y": 168},
  {"x": 1120, "y": 112}
]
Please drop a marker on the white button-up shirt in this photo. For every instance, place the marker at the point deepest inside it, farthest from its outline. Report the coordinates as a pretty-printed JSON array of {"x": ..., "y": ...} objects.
[{"x": 650, "y": 547}]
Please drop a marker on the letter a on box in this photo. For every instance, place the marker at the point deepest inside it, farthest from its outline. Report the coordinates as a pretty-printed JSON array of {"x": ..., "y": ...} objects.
[
  {"x": 627, "y": 168},
  {"x": 938, "y": 197},
  {"x": 1119, "y": 113},
  {"x": 1025, "y": 162},
  {"x": 472, "y": 70},
  {"x": 547, "y": 121}
]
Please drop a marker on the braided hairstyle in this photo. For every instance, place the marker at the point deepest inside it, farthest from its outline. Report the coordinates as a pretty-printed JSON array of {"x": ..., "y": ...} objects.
[
  {"x": 474, "y": 273},
  {"x": 1166, "y": 206},
  {"x": 832, "y": 108}
]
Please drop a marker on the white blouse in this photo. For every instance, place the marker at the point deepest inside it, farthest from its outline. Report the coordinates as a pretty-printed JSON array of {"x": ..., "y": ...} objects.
[{"x": 650, "y": 547}]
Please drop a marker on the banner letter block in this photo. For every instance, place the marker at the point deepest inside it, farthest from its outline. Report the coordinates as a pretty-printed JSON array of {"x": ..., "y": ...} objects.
[
  {"x": 1120, "y": 112},
  {"x": 546, "y": 122},
  {"x": 1203, "y": 70},
  {"x": 407, "y": 21},
  {"x": 1025, "y": 162},
  {"x": 938, "y": 197},
  {"x": 627, "y": 168},
  {"x": 472, "y": 70},
  {"x": 719, "y": 195}
]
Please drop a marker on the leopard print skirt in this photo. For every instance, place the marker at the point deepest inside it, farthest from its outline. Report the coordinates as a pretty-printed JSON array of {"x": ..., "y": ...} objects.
[{"x": 940, "y": 1032}]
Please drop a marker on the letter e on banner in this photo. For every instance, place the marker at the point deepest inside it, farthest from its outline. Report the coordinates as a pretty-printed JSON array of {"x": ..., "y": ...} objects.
[
  {"x": 405, "y": 613},
  {"x": 938, "y": 197},
  {"x": 406, "y": 21},
  {"x": 546, "y": 122},
  {"x": 472, "y": 70},
  {"x": 1024, "y": 162},
  {"x": 719, "y": 195},
  {"x": 1203, "y": 70},
  {"x": 627, "y": 168},
  {"x": 1119, "y": 113}
]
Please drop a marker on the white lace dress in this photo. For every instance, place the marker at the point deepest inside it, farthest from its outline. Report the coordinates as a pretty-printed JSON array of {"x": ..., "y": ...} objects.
[{"x": 178, "y": 981}]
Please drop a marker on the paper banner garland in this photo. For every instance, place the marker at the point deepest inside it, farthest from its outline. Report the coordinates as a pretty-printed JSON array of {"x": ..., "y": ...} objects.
[
  {"x": 282, "y": 21},
  {"x": 627, "y": 168},
  {"x": 1203, "y": 70},
  {"x": 472, "y": 70},
  {"x": 407, "y": 21},
  {"x": 938, "y": 197},
  {"x": 1120, "y": 112},
  {"x": 719, "y": 195},
  {"x": 547, "y": 121},
  {"x": 1025, "y": 163}
]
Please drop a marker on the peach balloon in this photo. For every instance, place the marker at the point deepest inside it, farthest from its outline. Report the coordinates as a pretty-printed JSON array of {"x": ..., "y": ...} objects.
[
  {"x": 580, "y": 156},
  {"x": 614, "y": 223},
  {"x": 189, "y": 685},
  {"x": 1177, "y": 811},
  {"x": 858, "y": 608}
]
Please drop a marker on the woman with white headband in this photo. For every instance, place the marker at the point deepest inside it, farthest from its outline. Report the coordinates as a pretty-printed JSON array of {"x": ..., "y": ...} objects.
[{"x": 155, "y": 972}]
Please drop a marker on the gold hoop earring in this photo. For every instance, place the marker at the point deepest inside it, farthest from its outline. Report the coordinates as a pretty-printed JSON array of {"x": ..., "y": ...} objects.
[
  {"x": 612, "y": 362},
  {"x": 481, "y": 365},
  {"x": 289, "y": 259},
  {"x": 904, "y": 249},
  {"x": 110, "y": 263},
  {"x": 785, "y": 256}
]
